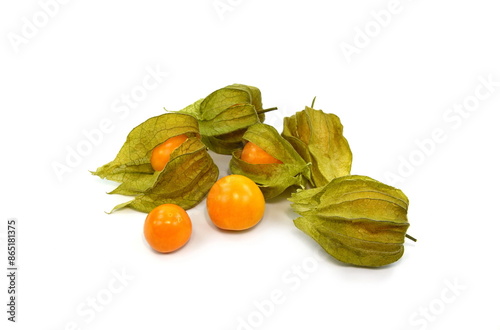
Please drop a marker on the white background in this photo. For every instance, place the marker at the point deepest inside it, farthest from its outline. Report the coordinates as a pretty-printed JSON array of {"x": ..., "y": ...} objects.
[{"x": 69, "y": 75}]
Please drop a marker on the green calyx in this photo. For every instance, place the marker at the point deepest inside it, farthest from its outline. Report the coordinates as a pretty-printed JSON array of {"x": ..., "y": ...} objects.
[
  {"x": 356, "y": 219},
  {"x": 184, "y": 181},
  {"x": 318, "y": 138},
  {"x": 272, "y": 179},
  {"x": 225, "y": 114}
]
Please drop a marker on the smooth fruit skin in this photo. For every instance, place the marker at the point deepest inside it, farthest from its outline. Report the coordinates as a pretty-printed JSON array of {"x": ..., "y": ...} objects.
[
  {"x": 235, "y": 203},
  {"x": 167, "y": 228},
  {"x": 254, "y": 154},
  {"x": 161, "y": 153}
]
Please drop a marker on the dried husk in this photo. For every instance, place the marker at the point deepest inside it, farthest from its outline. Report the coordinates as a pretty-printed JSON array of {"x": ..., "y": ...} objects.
[
  {"x": 356, "y": 219},
  {"x": 318, "y": 138},
  {"x": 272, "y": 179},
  {"x": 184, "y": 181},
  {"x": 225, "y": 114}
]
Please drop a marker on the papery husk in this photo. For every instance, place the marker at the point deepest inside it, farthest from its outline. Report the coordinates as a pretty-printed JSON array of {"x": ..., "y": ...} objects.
[
  {"x": 356, "y": 219},
  {"x": 184, "y": 181},
  {"x": 225, "y": 114},
  {"x": 272, "y": 179},
  {"x": 318, "y": 138}
]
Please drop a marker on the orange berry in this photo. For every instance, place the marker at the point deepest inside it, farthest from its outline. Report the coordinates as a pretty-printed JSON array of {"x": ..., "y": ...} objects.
[
  {"x": 254, "y": 154},
  {"x": 160, "y": 155},
  {"x": 167, "y": 228},
  {"x": 235, "y": 203}
]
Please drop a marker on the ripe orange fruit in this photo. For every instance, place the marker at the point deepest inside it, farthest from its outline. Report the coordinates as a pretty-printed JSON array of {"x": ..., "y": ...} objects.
[
  {"x": 235, "y": 203},
  {"x": 161, "y": 153},
  {"x": 254, "y": 154},
  {"x": 167, "y": 228}
]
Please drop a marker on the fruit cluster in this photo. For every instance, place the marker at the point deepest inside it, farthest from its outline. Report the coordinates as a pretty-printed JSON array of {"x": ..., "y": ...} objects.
[{"x": 166, "y": 166}]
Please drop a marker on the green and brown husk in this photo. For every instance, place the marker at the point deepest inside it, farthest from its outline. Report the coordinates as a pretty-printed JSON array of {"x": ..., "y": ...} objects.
[
  {"x": 356, "y": 219},
  {"x": 184, "y": 181},
  {"x": 225, "y": 114},
  {"x": 318, "y": 138},
  {"x": 272, "y": 179}
]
